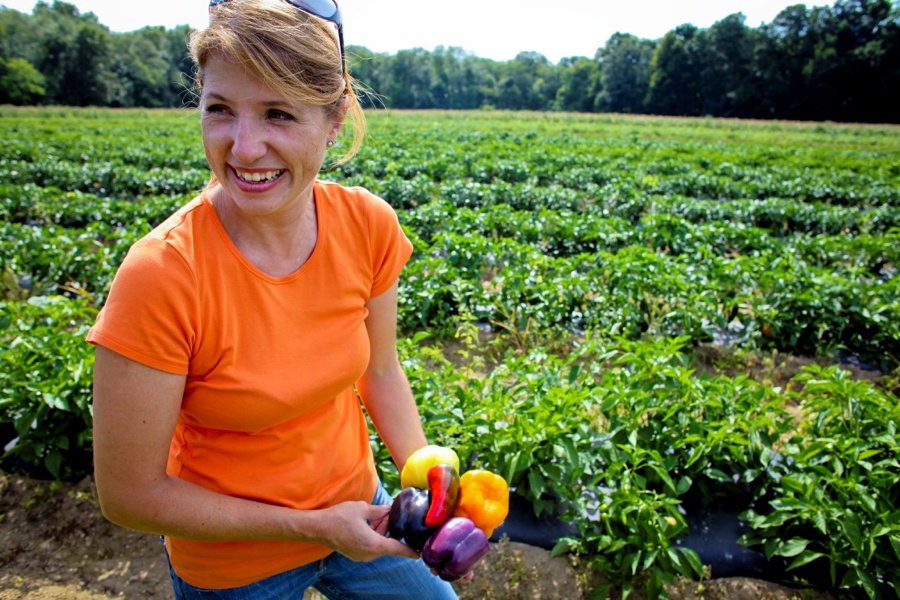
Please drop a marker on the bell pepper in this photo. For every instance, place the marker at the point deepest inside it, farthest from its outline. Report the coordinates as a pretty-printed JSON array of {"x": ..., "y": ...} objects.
[
  {"x": 415, "y": 471},
  {"x": 406, "y": 520},
  {"x": 455, "y": 548},
  {"x": 443, "y": 483},
  {"x": 483, "y": 498}
]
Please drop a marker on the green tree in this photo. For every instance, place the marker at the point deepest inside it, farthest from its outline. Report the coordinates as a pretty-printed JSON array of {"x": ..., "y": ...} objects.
[
  {"x": 580, "y": 85},
  {"x": 88, "y": 78},
  {"x": 625, "y": 71},
  {"x": 675, "y": 86},
  {"x": 729, "y": 85},
  {"x": 783, "y": 58},
  {"x": 18, "y": 37},
  {"x": 20, "y": 82},
  {"x": 408, "y": 83},
  {"x": 75, "y": 55},
  {"x": 525, "y": 83},
  {"x": 852, "y": 63},
  {"x": 180, "y": 77},
  {"x": 837, "y": 62},
  {"x": 458, "y": 78},
  {"x": 142, "y": 68},
  {"x": 371, "y": 70}
]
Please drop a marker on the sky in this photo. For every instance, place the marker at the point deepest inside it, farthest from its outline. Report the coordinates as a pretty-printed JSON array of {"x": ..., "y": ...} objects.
[{"x": 495, "y": 29}]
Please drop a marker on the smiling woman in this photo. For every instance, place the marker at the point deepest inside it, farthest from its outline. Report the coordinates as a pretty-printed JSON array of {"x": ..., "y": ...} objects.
[{"x": 238, "y": 333}]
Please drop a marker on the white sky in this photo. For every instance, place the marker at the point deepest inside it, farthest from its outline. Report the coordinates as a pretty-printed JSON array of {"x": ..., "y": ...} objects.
[{"x": 496, "y": 29}]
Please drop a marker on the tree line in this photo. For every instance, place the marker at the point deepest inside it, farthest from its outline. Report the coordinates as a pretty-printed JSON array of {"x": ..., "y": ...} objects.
[{"x": 839, "y": 62}]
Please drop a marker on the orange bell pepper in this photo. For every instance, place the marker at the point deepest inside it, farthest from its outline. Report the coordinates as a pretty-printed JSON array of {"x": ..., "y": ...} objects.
[{"x": 483, "y": 498}]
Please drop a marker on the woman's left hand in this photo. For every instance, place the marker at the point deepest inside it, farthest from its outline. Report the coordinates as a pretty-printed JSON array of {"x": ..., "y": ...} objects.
[{"x": 357, "y": 530}]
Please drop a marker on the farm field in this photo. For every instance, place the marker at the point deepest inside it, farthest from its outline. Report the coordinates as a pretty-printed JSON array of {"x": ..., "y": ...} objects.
[{"x": 635, "y": 320}]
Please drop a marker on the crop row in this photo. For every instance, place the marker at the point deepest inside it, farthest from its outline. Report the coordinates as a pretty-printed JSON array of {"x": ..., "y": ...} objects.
[
  {"x": 420, "y": 200},
  {"x": 114, "y": 179},
  {"x": 561, "y": 269}
]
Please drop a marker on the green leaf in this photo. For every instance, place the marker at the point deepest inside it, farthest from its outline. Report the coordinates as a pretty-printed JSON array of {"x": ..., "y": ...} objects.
[
  {"x": 804, "y": 558},
  {"x": 818, "y": 520},
  {"x": 511, "y": 468},
  {"x": 536, "y": 483},
  {"x": 563, "y": 546},
  {"x": 853, "y": 531},
  {"x": 601, "y": 592},
  {"x": 793, "y": 484},
  {"x": 895, "y": 544},
  {"x": 567, "y": 450},
  {"x": 53, "y": 462},
  {"x": 649, "y": 559},
  {"x": 573, "y": 373},
  {"x": 663, "y": 474},
  {"x": 792, "y": 547},
  {"x": 718, "y": 475},
  {"x": 869, "y": 584},
  {"x": 632, "y": 561},
  {"x": 685, "y": 561}
]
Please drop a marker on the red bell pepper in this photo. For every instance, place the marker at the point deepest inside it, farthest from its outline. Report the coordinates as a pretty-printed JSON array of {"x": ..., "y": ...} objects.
[{"x": 443, "y": 482}]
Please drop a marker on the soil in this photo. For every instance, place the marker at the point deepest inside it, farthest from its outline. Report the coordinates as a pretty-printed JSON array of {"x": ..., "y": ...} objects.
[{"x": 55, "y": 545}]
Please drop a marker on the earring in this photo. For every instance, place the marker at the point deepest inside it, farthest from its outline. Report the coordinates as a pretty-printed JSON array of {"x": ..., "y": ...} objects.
[{"x": 331, "y": 143}]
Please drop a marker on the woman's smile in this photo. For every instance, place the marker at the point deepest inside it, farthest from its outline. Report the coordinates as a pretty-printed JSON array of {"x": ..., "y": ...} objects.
[
  {"x": 257, "y": 176},
  {"x": 256, "y": 181}
]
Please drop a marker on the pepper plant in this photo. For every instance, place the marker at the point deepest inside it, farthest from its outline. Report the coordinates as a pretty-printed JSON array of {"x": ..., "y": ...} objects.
[
  {"x": 836, "y": 511},
  {"x": 45, "y": 385}
]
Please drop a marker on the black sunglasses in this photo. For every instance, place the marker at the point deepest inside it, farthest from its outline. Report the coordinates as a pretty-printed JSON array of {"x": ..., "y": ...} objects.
[{"x": 324, "y": 9}]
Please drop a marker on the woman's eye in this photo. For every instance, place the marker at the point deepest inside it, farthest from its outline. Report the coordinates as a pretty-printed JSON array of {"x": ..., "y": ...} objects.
[
  {"x": 279, "y": 115},
  {"x": 215, "y": 108}
]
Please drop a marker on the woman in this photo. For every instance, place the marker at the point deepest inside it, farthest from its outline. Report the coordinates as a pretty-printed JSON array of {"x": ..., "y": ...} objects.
[{"x": 238, "y": 333}]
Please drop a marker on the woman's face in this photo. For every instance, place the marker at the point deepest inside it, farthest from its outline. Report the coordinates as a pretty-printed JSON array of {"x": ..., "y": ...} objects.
[{"x": 265, "y": 149}]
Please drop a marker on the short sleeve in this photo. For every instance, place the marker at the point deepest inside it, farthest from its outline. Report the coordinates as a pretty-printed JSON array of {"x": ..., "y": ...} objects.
[
  {"x": 390, "y": 248},
  {"x": 149, "y": 313}
]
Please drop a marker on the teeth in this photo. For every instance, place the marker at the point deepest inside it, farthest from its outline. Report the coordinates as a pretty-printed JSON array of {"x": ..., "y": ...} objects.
[{"x": 257, "y": 177}]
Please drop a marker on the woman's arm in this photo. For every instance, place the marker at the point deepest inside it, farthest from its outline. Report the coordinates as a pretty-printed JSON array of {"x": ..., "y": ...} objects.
[
  {"x": 384, "y": 388},
  {"x": 135, "y": 412}
]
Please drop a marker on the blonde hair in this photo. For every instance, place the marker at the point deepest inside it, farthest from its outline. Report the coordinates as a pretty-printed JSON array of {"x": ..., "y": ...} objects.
[{"x": 290, "y": 51}]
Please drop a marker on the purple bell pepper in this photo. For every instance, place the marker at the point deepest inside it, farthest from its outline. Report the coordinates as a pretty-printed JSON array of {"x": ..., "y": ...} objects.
[
  {"x": 407, "y": 517},
  {"x": 455, "y": 548}
]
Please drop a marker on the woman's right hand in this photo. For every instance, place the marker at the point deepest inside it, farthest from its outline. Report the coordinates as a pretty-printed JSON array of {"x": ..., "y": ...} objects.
[{"x": 357, "y": 530}]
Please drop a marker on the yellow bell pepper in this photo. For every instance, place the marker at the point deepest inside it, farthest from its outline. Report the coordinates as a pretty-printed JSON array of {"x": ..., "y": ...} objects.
[
  {"x": 415, "y": 471},
  {"x": 483, "y": 498}
]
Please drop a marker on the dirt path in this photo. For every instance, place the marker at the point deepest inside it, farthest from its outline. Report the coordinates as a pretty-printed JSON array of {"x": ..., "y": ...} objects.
[{"x": 55, "y": 545}]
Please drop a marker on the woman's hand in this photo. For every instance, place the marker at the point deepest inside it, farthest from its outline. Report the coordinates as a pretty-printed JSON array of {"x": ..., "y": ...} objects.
[{"x": 357, "y": 530}]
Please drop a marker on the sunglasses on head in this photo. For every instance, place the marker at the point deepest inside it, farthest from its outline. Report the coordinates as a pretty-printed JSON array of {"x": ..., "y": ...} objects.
[{"x": 324, "y": 9}]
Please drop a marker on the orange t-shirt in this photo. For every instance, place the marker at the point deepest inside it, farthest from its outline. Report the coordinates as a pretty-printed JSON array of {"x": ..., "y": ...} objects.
[{"x": 269, "y": 412}]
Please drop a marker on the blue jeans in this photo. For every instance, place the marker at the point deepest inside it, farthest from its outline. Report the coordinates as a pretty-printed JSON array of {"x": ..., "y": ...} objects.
[{"x": 338, "y": 578}]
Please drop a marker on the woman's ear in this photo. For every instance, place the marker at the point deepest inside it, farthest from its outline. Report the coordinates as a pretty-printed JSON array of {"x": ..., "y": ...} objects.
[{"x": 338, "y": 113}]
